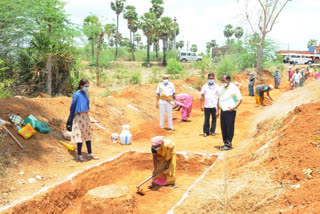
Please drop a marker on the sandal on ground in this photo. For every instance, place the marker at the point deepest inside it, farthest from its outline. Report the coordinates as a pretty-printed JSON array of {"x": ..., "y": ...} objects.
[
  {"x": 80, "y": 158},
  {"x": 91, "y": 156}
]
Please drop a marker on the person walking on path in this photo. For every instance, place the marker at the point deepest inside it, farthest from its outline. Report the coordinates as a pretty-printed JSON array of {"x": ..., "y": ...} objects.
[
  {"x": 163, "y": 155},
  {"x": 303, "y": 78},
  {"x": 260, "y": 90},
  {"x": 290, "y": 73},
  {"x": 209, "y": 100},
  {"x": 229, "y": 100},
  {"x": 79, "y": 118},
  {"x": 276, "y": 79},
  {"x": 251, "y": 85},
  {"x": 165, "y": 94},
  {"x": 185, "y": 102},
  {"x": 296, "y": 79}
]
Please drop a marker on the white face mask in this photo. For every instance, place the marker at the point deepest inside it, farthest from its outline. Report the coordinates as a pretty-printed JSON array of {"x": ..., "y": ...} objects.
[
  {"x": 165, "y": 81},
  {"x": 225, "y": 84}
]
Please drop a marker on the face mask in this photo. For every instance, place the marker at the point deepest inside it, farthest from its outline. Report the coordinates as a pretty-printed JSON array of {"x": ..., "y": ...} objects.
[
  {"x": 156, "y": 148},
  {"x": 85, "y": 88},
  {"x": 225, "y": 84},
  {"x": 165, "y": 82},
  {"x": 211, "y": 81}
]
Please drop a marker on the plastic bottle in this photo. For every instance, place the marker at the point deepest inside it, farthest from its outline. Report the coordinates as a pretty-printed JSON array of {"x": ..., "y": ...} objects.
[
  {"x": 18, "y": 127},
  {"x": 125, "y": 136}
]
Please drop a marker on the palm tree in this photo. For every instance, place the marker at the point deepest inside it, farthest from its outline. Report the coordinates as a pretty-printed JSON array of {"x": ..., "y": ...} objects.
[
  {"x": 141, "y": 46},
  {"x": 228, "y": 31},
  {"x": 137, "y": 38},
  {"x": 312, "y": 42},
  {"x": 117, "y": 6},
  {"x": 194, "y": 48},
  {"x": 164, "y": 31},
  {"x": 156, "y": 8},
  {"x": 238, "y": 32},
  {"x": 208, "y": 46},
  {"x": 155, "y": 41},
  {"x": 91, "y": 30},
  {"x": 111, "y": 42},
  {"x": 147, "y": 24},
  {"x": 181, "y": 44},
  {"x": 131, "y": 15},
  {"x": 110, "y": 30}
]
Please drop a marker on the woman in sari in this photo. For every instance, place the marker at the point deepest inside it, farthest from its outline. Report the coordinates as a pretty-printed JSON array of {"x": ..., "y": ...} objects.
[
  {"x": 251, "y": 85},
  {"x": 276, "y": 79},
  {"x": 303, "y": 78},
  {"x": 184, "y": 101},
  {"x": 164, "y": 155}
]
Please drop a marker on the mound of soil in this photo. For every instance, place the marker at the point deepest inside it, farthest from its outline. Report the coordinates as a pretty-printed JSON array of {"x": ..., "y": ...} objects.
[{"x": 297, "y": 150}]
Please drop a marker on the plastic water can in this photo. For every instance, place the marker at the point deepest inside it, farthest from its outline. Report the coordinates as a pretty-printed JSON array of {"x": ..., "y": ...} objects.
[{"x": 125, "y": 136}]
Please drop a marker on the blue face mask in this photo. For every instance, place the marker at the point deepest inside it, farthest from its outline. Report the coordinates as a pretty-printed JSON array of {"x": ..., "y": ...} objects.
[
  {"x": 211, "y": 81},
  {"x": 85, "y": 88}
]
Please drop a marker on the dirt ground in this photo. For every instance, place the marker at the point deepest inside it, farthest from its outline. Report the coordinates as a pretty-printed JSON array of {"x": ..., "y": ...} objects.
[{"x": 262, "y": 174}]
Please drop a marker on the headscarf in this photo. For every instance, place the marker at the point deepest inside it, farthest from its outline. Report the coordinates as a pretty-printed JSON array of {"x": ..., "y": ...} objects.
[{"x": 156, "y": 141}]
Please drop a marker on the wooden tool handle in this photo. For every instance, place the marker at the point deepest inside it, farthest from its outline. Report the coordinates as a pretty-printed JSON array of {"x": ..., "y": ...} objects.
[{"x": 13, "y": 137}]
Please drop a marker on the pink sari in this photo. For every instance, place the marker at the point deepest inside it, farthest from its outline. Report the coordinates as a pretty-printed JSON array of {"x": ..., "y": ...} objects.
[{"x": 185, "y": 101}]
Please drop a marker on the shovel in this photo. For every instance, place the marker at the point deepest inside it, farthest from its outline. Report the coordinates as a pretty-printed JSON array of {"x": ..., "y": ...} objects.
[{"x": 152, "y": 176}]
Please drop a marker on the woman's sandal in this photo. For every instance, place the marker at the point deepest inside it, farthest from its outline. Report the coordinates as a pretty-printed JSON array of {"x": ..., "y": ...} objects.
[
  {"x": 80, "y": 158},
  {"x": 91, "y": 156}
]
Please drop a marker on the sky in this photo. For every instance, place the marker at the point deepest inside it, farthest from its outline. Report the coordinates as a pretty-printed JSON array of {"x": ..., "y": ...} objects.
[{"x": 204, "y": 20}]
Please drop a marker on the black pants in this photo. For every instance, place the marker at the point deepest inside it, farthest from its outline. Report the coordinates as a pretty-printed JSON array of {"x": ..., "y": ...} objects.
[
  {"x": 79, "y": 147},
  {"x": 227, "y": 120},
  {"x": 206, "y": 125}
]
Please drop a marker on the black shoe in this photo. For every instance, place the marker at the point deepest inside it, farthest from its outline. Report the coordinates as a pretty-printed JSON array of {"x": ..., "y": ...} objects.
[
  {"x": 225, "y": 148},
  {"x": 213, "y": 134},
  {"x": 205, "y": 135}
]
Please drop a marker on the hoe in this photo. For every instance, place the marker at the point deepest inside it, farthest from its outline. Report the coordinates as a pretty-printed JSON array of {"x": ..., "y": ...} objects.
[{"x": 140, "y": 191}]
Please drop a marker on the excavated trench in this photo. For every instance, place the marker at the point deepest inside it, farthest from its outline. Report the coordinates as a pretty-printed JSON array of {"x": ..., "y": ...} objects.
[{"x": 117, "y": 179}]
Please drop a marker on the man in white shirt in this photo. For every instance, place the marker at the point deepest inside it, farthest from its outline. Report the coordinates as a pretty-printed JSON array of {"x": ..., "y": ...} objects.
[
  {"x": 296, "y": 78},
  {"x": 229, "y": 100},
  {"x": 209, "y": 101},
  {"x": 165, "y": 94}
]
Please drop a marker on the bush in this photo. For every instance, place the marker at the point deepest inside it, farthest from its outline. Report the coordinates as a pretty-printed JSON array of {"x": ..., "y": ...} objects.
[
  {"x": 121, "y": 75},
  {"x": 225, "y": 66},
  {"x": 155, "y": 75},
  {"x": 204, "y": 65},
  {"x": 174, "y": 67},
  {"x": 135, "y": 77},
  {"x": 4, "y": 92}
]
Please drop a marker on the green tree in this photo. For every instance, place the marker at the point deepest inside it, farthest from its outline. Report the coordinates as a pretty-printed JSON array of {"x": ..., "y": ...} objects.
[
  {"x": 137, "y": 38},
  {"x": 228, "y": 31},
  {"x": 312, "y": 42},
  {"x": 156, "y": 8},
  {"x": 194, "y": 48},
  {"x": 110, "y": 30},
  {"x": 131, "y": 15},
  {"x": 164, "y": 31},
  {"x": 141, "y": 46},
  {"x": 42, "y": 45},
  {"x": 238, "y": 32},
  {"x": 147, "y": 24},
  {"x": 155, "y": 40},
  {"x": 181, "y": 44},
  {"x": 117, "y": 7},
  {"x": 111, "y": 42},
  {"x": 90, "y": 28}
]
